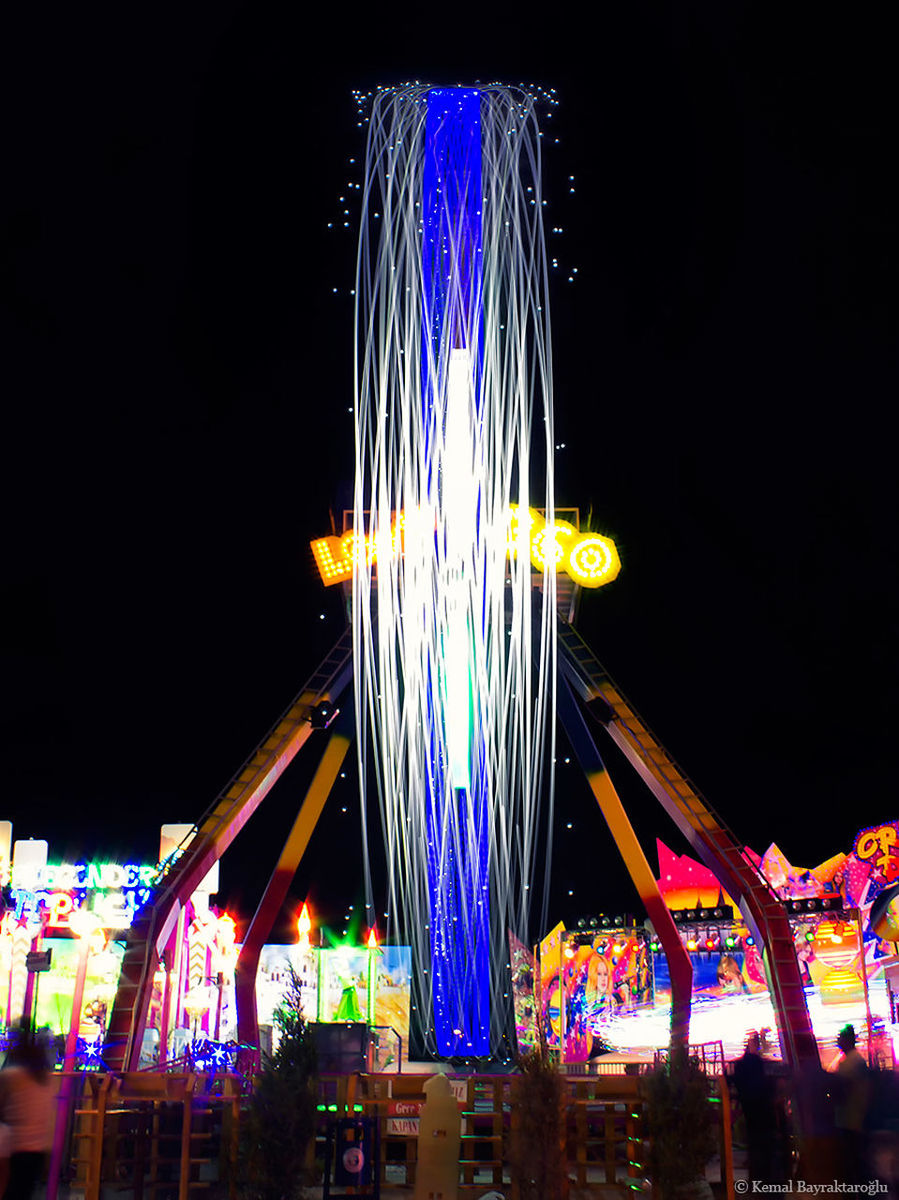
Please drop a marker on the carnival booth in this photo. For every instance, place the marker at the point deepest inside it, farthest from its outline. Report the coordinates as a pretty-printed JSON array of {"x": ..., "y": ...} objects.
[
  {"x": 62, "y": 940},
  {"x": 605, "y": 985}
]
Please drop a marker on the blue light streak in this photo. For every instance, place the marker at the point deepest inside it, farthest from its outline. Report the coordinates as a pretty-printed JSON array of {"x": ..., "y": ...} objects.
[{"x": 459, "y": 896}]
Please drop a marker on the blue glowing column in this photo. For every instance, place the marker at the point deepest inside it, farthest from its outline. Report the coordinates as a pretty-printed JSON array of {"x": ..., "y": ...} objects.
[{"x": 457, "y": 807}]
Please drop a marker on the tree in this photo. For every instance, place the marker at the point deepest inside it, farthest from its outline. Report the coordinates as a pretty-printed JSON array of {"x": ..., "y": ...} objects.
[
  {"x": 537, "y": 1140},
  {"x": 279, "y": 1121},
  {"x": 680, "y": 1126}
]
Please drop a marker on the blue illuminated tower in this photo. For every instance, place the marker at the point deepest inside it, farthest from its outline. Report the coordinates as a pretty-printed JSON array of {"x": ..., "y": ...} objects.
[
  {"x": 456, "y": 802},
  {"x": 454, "y": 648}
]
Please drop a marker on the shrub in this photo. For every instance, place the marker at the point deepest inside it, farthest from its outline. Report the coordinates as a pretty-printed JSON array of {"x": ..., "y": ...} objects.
[
  {"x": 537, "y": 1146},
  {"x": 680, "y": 1126},
  {"x": 279, "y": 1121}
]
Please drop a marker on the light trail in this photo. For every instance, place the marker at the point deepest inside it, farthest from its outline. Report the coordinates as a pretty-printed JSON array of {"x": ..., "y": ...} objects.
[{"x": 454, "y": 649}]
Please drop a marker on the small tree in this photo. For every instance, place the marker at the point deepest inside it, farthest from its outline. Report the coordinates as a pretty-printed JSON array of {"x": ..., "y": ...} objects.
[
  {"x": 537, "y": 1139},
  {"x": 279, "y": 1121},
  {"x": 680, "y": 1126}
]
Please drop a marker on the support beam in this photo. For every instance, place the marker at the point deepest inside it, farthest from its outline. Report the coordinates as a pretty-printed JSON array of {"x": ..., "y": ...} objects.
[
  {"x": 706, "y": 834},
  {"x": 276, "y": 890},
  {"x": 151, "y": 931},
  {"x": 679, "y": 965}
]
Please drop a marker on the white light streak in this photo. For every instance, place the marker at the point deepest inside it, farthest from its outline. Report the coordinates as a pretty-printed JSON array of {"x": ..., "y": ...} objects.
[{"x": 454, "y": 650}]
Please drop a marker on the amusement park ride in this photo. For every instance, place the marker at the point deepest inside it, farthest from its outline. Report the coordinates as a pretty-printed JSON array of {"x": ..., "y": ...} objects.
[
  {"x": 587, "y": 698},
  {"x": 454, "y": 291}
]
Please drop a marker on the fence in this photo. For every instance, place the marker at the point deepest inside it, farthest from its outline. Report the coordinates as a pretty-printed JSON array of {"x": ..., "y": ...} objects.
[
  {"x": 603, "y": 1127},
  {"x": 168, "y": 1136},
  {"x": 159, "y": 1137}
]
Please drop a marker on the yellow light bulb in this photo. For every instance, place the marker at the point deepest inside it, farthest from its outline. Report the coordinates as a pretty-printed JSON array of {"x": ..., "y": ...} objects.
[
  {"x": 593, "y": 561},
  {"x": 551, "y": 543}
]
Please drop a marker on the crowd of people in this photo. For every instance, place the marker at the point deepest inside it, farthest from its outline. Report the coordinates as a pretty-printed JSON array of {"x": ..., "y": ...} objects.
[{"x": 842, "y": 1124}]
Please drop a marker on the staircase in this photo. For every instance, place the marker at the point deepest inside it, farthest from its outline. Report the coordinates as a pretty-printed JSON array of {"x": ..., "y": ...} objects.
[
  {"x": 213, "y": 834},
  {"x": 706, "y": 833}
]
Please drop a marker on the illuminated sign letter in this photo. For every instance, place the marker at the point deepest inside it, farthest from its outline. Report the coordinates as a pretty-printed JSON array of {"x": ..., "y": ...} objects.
[{"x": 590, "y": 559}]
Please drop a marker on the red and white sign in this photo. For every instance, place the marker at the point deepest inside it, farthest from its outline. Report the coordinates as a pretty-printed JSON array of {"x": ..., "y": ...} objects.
[{"x": 402, "y": 1117}]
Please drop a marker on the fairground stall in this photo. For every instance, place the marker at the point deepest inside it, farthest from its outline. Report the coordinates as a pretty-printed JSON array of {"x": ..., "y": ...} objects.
[
  {"x": 62, "y": 944},
  {"x": 605, "y": 986}
]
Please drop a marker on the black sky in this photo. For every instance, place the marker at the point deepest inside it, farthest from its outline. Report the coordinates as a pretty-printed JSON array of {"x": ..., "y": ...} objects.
[{"x": 178, "y": 373}]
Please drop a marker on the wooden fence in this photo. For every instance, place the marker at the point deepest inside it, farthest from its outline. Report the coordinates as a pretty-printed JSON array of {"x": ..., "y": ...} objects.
[
  {"x": 171, "y": 1137},
  {"x": 154, "y": 1136}
]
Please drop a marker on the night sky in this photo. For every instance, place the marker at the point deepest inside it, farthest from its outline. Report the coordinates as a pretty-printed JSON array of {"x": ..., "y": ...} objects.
[{"x": 178, "y": 374}]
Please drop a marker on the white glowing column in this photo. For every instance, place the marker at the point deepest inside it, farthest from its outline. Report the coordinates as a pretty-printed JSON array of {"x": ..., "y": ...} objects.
[
  {"x": 454, "y": 652},
  {"x": 460, "y": 516}
]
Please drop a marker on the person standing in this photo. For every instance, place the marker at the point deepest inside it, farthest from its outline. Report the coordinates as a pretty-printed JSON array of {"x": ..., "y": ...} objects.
[
  {"x": 851, "y": 1110},
  {"x": 26, "y": 1107},
  {"x": 5, "y": 1150},
  {"x": 819, "y": 1149},
  {"x": 756, "y": 1095}
]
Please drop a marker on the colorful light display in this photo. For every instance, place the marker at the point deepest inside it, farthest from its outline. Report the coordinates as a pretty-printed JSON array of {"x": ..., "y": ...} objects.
[
  {"x": 339, "y": 983},
  {"x": 590, "y": 559},
  {"x": 49, "y": 901},
  {"x": 686, "y": 883},
  {"x": 550, "y": 998},
  {"x": 884, "y": 915},
  {"x": 48, "y": 894},
  {"x": 453, "y": 417},
  {"x": 604, "y": 973},
  {"x": 193, "y": 1000},
  {"x": 610, "y": 989},
  {"x": 523, "y": 973},
  {"x": 842, "y": 950}
]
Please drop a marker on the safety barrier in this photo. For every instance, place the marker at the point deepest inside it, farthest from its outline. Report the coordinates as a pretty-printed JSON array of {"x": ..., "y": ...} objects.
[
  {"x": 603, "y": 1127},
  {"x": 159, "y": 1137},
  {"x": 169, "y": 1136}
]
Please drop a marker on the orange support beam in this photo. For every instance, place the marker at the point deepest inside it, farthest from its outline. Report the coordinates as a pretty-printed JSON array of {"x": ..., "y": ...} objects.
[
  {"x": 276, "y": 890},
  {"x": 150, "y": 933},
  {"x": 679, "y": 965}
]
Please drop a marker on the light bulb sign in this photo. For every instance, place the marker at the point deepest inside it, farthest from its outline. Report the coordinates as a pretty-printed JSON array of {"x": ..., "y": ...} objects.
[{"x": 589, "y": 559}]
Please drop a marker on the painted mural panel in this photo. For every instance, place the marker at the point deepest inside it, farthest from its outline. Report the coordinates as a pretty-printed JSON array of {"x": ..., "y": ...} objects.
[
  {"x": 610, "y": 975},
  {"x": 552, "y": 1008},
  {"x": 523, "y": 974},
  {"x": 394, "y": 980}
]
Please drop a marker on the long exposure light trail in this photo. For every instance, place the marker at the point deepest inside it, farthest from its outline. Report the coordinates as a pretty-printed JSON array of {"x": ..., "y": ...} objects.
[{"x": 454, "y": 648}]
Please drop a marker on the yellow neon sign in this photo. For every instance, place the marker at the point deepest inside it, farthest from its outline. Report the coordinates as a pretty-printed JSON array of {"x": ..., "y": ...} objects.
[
  {"x": 874, "y": 840},
  {"x": 590, "y": 559}
]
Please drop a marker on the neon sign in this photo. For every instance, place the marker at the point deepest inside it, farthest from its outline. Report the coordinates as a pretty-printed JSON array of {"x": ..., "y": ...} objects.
[
  {"x": 878, "y": 844},
  {"x": 66, "y": 876},
  {"x": 52, "y": 892},
  {"x": 590, "y": 559}
]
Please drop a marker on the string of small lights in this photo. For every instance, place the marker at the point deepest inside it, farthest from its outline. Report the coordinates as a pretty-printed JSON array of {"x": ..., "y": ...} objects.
[{"x": 544, "y": 103}]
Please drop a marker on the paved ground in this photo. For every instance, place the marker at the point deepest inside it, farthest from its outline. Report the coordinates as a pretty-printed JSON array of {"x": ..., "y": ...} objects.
[{"x": 598, "y": 1191}]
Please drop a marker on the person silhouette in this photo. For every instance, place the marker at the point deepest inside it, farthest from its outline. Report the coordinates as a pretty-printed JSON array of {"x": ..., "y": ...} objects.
[
  {"x": 853, "y": 1093},
  {"x": 755, "y": 1093},
  {"x": 26, "y": 1106}
]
